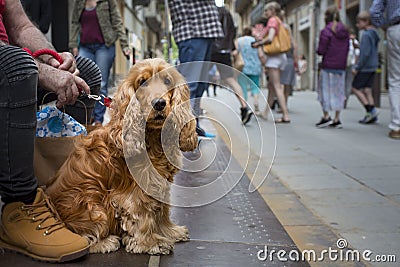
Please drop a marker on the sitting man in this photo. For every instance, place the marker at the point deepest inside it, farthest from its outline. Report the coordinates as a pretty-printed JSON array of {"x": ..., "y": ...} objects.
[{"x": 29, "y": 222}]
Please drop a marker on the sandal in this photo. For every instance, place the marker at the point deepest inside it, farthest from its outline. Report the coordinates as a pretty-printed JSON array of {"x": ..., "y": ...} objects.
[{"x": 282, "y": 120}]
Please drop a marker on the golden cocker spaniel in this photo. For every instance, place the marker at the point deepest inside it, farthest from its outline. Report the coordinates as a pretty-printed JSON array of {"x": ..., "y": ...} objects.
[{"x": 115, "y": 185}]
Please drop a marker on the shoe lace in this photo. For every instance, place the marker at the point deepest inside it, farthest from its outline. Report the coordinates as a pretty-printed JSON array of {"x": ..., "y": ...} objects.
[{"x": 44, "y": 213}]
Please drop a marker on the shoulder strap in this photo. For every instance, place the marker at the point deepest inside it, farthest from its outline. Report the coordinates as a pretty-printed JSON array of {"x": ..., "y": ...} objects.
[{"x": 239, "y": 44}]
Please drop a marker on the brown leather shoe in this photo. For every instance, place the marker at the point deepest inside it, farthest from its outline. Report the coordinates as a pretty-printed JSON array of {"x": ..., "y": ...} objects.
[
  {"x": 394, "y": 134},
  {"x": 37, "y": 231}
]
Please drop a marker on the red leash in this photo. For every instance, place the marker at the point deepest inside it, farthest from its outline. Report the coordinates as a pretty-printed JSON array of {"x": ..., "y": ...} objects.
[
  {"x": 107, "y": 100},
  {"x": 40, "y": 52}
]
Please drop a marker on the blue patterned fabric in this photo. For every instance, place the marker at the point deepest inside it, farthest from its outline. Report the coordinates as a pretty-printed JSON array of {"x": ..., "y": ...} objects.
[
  {"x": 331, "y": 89},
  {"x": 52, "y": 122}
]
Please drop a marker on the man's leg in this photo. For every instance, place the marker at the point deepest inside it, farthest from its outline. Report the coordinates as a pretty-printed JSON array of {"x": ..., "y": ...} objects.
[
  {"x": 393, "y": 38},
  {"x": 361, "y": 96},
  {"x": 29, "y": 223},
  {"x": 18, "y": 122},
  {"x": 361, "y": 88},
  {"x": 196, "y": 73}
]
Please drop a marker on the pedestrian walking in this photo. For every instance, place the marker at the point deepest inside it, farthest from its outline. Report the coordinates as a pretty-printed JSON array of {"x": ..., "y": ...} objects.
[
  {"x": 250, "y": 76},
  {"x": 366, "y": 66},
  {"x": 29, "y": 222},
  {"x": 352, "y": 58},
  {"x": 333, "y": 46},
  {"x": 288, "y": 74},
  {"x": 301, "y": 69},
  {"x": 221, "y": 53},
  {"x": 275, "y": 63},
  {"x": 97, "y": 25},
  {"x": 195, "y": 25},
  {"x": 391, "y": 22},
  {"x": 214, "y": 78}
]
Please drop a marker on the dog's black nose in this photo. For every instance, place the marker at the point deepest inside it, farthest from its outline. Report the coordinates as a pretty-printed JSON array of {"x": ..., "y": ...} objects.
[{"x": 158, "y": 104}]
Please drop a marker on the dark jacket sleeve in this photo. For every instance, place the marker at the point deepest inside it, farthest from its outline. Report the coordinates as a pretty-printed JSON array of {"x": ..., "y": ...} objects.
[
  {"x": 45, "y": 15},
  {"x": 228, "y": 41}
]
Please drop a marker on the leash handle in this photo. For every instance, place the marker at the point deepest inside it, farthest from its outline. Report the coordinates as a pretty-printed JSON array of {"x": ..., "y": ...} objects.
[
  {"x": 48, "y": 52},
  {"x": 45, "y": 51}
]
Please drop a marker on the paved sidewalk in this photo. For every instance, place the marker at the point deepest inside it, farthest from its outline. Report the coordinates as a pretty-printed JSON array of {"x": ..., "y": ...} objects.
[
  {"x": 232, "y": 228},
  {"x": 337, "y": 183}
]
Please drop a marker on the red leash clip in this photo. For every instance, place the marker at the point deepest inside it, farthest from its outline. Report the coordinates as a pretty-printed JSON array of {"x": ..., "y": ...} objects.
[{"x": 106, "y": 99}]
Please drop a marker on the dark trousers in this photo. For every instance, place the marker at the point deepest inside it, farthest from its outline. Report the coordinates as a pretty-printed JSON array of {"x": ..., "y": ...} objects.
[{"x": 18, "y": 106}]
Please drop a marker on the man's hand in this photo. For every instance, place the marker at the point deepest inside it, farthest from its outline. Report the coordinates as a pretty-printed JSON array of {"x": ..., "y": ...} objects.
[
  {"x": 261, "y": 43},
  {"x": 256, "y": 44},
  {"x": 62, "y": 82},
  {"x": 75, "y": 51},
  {"x": 127, "y": 51},
  {"x": 69, "y": 63}
]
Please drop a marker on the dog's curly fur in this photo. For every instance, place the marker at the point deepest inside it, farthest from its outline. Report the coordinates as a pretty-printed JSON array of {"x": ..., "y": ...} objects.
[{"x": 115, "y": 184}]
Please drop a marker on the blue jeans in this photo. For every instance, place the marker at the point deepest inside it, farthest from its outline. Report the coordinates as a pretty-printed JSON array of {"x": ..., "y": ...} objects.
[
  {"x": 197, "y": 49},
  {"x": 104, "y": 57}
]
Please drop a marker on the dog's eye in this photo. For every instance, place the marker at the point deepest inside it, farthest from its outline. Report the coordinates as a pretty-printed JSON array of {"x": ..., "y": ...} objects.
[
  {"x": 167, "y": 81},
  {"x": 142, "y": 82}
]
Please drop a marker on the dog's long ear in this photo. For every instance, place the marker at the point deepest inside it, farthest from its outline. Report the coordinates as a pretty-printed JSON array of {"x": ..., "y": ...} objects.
[
  {"x": 185, "y": 119},
  {"x": 130, "y": 125}
]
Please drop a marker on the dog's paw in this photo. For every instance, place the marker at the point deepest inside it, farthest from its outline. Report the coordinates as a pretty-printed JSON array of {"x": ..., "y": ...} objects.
[
  {"x": 160, "y": 247},
  {"x": 106, "y": 245},
  {"x": 130, "y": 243},
  {"x": 180, "y": 233}
]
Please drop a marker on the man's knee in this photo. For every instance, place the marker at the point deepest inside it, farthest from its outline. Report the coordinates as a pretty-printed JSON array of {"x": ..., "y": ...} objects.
[
  {"x": 16, "y": 64},
  {"x": 90, "y": 73},
  {"x": 18, "y": 77}
]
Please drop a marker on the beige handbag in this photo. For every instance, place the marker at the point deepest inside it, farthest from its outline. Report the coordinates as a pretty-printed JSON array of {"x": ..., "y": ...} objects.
[
  {"x": 281, "y": 42},
  {"x": 238, "y": 63}
]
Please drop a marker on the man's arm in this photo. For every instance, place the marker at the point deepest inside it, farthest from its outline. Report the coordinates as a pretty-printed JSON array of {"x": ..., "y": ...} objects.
[
  {"x": 59, "y": 79},
  {"x": 376, "y": 11},
  {"x": 21, "y": 32},
  {"x": 45, "y": 15}
]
